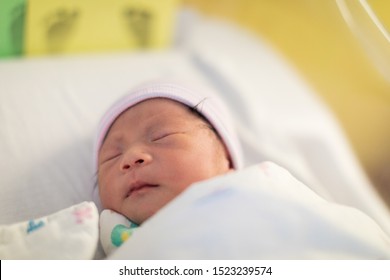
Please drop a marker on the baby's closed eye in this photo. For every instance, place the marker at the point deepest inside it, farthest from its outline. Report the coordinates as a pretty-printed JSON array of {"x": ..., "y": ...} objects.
[
  {"x": 110, "y": 156},
  {"x": 166, "y": 132},
  {"x": 163, "y": 135}
]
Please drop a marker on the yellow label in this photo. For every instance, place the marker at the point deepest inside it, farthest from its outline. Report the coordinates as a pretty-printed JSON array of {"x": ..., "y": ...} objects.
[{"x": 63, "y": 26}]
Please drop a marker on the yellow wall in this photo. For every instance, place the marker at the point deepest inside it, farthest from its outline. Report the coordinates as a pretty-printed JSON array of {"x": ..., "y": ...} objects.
[{"x": 315, "y": 38}]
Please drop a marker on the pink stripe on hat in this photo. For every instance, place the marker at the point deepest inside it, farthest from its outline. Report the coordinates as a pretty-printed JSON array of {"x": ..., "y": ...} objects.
[{"x": 210, "y": 106}]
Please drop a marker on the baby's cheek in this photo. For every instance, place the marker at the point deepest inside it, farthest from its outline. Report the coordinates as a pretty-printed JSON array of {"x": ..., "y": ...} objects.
[
  {"x": 104, "y": 190},
  {"x": 106, "y": 196}
]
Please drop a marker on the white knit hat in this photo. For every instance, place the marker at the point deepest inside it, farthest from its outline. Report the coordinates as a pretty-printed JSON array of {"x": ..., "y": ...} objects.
[{"x": 210, "y": 106}]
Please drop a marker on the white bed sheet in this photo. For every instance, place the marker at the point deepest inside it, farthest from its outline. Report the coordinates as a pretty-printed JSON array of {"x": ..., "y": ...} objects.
[{"x": 50, "y": 106}]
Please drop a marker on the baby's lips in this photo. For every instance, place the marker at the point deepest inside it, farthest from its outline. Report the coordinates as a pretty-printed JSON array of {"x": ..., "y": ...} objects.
[{"x": 140, "y": 185}]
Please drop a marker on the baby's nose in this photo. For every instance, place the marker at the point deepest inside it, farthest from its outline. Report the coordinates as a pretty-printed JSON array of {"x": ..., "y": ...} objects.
[{"x": 133, "y": 159}]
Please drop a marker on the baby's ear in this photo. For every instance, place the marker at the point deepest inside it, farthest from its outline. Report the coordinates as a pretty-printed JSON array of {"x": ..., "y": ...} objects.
[
  {"x": 231, "y": 167},
  {"x": 229, "y": 161}
]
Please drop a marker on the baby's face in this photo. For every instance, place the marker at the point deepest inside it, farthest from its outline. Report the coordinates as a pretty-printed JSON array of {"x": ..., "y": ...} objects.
[{"x": 152, "y": 152}]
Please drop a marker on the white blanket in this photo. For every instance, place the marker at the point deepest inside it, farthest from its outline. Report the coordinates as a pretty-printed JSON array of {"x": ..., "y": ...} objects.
[
  {"x": 261, "y": 212},
  {"x": 71, "y": 233}
]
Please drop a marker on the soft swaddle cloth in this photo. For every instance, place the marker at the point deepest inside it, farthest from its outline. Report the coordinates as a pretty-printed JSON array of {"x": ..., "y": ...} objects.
[
  {"x": 115, "y": 229},
  {"x": 71, "y": 233},
  {"x": 260, "y": 212}
]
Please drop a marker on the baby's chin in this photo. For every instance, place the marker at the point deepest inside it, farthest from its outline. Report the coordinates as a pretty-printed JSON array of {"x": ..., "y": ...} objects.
[{"x": 140, "y": 218}]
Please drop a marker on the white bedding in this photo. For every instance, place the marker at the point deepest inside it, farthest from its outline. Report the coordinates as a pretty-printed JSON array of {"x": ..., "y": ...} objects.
[
  {"x": 261, "y": 212},
  {"x": 50, "y": 106},
  {"x": 71, "y": 233}
]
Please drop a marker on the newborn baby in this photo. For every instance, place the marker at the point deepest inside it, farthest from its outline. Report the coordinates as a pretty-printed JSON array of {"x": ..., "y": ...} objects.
[{"x": 153, "y": 144}]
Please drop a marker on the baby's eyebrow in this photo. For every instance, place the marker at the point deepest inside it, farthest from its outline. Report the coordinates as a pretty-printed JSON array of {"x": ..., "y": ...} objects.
[
  {"x": 157, "y": 123},
  {"x": 171, "y": 124}
]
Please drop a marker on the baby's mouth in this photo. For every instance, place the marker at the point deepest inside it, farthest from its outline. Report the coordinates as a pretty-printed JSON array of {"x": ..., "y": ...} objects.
[{"x": 140, "y": 186}]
